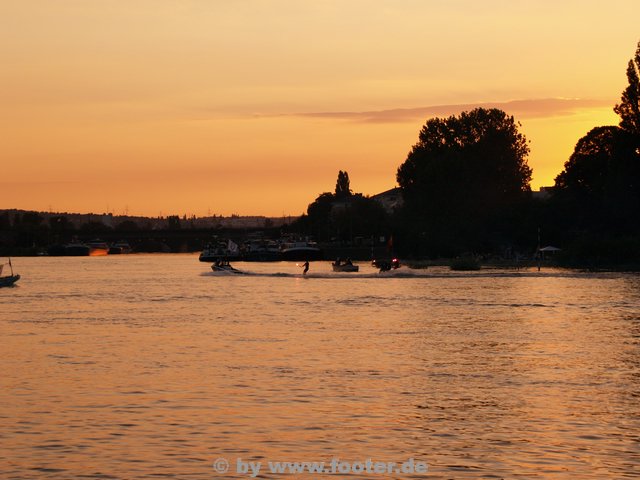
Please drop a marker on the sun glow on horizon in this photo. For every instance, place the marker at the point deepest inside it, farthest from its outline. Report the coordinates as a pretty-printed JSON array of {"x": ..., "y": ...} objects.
[{"x": 197, "y": 107}]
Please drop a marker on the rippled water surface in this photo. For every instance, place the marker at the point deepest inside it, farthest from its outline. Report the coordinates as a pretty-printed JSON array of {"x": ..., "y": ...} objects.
[{"x": 154, "y": 367}]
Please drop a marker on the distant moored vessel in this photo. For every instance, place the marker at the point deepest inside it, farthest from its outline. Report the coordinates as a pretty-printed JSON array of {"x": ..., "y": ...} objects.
[
  {"x": 120, "y": 248},
  {"x": 261, "y": 251},
  {"x": 8, "y": 280},
  {"x": 300, "y": 250},
  {"x": 219, "y": 251},
  {"x": 76, "y": 250},
  {"x": 98, "y": 248}
]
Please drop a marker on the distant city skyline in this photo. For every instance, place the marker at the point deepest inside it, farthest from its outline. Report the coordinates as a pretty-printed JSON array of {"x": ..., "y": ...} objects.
[{"x": 202, "y": 107}]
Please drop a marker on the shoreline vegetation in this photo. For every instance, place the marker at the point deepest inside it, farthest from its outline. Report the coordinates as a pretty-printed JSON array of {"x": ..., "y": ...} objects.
[
  {"x": 36, "y": 240},
  {"x": 463, "y": 195}
]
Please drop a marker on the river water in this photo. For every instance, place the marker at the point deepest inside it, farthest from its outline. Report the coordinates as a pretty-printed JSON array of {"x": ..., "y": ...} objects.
[{"x": 152, "y": 366}]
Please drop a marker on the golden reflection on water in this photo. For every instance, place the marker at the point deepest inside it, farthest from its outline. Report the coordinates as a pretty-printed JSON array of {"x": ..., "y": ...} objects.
[{"x": 143, "y": 366}]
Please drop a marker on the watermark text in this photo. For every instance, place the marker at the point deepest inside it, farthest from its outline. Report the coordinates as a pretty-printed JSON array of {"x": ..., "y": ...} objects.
[{"x": 332, "y": 467}]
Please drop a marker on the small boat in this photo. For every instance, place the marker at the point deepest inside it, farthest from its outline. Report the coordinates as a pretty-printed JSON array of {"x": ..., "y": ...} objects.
[
  {"x": 339, "y": 266},
  {"x": 73, "y": 249},
  {"x": 8, "y": 280},
  {"x": 120, "y": 248},
  {"x": 224, "y": 266},
  {"x": 98, "y": 248},
  {"x": 386, "y": 265},
  {"x": 345, "y": 268}
]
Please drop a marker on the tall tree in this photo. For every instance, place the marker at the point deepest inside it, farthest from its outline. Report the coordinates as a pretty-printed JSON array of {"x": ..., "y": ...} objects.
[
  {"x": 316, "y": 221},
  {"x": 464, "y": 178},
  {"x": 342, "y": 185},
  {"x": 600, "y": 183},
  {"x": 629, "y": 107},
  {"x": 596, "y": 203},
  {"x": 477, "y": 161},
  {"x": 343, "y": 215},
  {"x": 587, "y": 171}
]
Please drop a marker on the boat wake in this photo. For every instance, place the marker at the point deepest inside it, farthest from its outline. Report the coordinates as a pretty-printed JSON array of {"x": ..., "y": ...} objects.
[
  {"x": 328, "y": 275},
  {"x": 406, "y": 273}
]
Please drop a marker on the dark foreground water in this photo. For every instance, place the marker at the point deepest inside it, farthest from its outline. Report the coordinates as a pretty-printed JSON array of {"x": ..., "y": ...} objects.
[{"x": 153, "y": 367}]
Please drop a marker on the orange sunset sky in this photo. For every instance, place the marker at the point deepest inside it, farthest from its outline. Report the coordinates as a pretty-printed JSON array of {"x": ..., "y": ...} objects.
[{"x": 159, "y": 107}]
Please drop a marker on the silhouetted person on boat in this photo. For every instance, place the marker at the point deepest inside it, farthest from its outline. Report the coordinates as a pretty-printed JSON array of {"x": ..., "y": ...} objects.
[{"x": 306, "y": 267}]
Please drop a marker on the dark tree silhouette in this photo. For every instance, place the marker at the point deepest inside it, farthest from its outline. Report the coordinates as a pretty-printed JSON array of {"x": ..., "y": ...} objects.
[
  {"x": 94, "y": 227},
  {"x": 600, "y": 183},
  {"x": 60, "y": 224},
  {"x": 342, "y": 185},
  {"x": 596, "y": 202},
  {"x": 464, "y": 173},
  {"x": 629, "y": 106},
  {"x": 5, "y": 222},
  {"x": 31, "y": 218},
  {"x": 356, "y": 216},
  {"x": 127, "y": 226},
  {"x": 587, "y": 170},
  {"x": 173, "y": 222},
  {"x": 479, "y": 155},
  {"x": 343, "y": 215},
  {"x": 316, "y": 221}
]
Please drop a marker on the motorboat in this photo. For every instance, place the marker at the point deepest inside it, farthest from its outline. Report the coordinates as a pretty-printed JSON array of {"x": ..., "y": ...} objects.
[
  {"x": 77, "y": 250},
  {"x": 120, "y": 248},
  {"x": 339, "y": 266},
  {"x": 261, "y": 251},
  {"x": 98, "y": 248},
  {"x": 224, "y": 266},
  {"x": 345, "y": 268},
  {"x": 386, "y": 265},
  {"x": 57, "y": 250},
  {"x": 8, "y": 280},
  {"x": 219, "y": 251}
]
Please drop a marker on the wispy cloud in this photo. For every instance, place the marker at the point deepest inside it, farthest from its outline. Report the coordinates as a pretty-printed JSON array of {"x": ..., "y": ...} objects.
[{"x": 521, "y": 109}]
